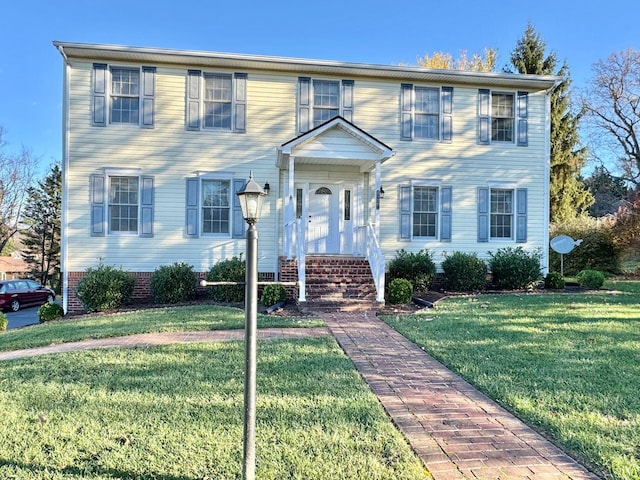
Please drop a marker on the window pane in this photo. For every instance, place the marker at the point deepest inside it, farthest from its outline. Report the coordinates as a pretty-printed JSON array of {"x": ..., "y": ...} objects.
[
  {"x": 502, "y": 117},
  {"x": 425, "y": 211},
  {"x": 501, "y": 213},
  {"x": 427, "y": 100},
  {"x": 125, "y": 102},
  {"x": 217, "y": 101},
  {"x": 123, "y": 204},
  {"x": 426, "y": 126},
  {"x": 326, "y": 101},
  {"x": 215, "y": 206}
]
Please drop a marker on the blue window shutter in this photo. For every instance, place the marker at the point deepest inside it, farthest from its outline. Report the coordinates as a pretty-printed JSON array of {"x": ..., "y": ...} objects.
[
  {"x": 406, "y": 109},
  {"x": 146, "y": 207},
  {"x": 445, "y": 214},
  {"x": 523, "y": 112},
  {"x": 97, "y": 194},
  {"x": 148, "y": 96},
  {"x": 192, "y": 214},
  {"x": 447, "y": 114},
  {"x": 238, "y": 226},
  {"x": 484, "y": 116},
  {"x": 521, "y": 217},
  {"x": 304, "y": 104},
  {"x": 405, "y": 212},
  {"x": 99, "y": 95},
  {"x": 483, "y": 214},
  {"x": 240, "y": 104},
  {"x": 347, "y": 100},
  {"x": 193, "y": 100}
]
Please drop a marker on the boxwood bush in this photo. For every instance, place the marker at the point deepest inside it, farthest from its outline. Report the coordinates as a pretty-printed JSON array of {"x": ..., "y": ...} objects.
[
  {"x": 230, "y": 270},
  {"x": 591, "y": 279},
  {"x": 418, "y": 268},
  {"x": 514, "y": 268},
  {"x": 554, "y": 281},
  {"x": 272, "y": 294},
  {"x": 399, "y": 291},
  {"x": 173, "y": 283},
  {"x": 50, "y": 311},
  {"x": 104, "y": 288},
  {"x": 464, "y": 272}
]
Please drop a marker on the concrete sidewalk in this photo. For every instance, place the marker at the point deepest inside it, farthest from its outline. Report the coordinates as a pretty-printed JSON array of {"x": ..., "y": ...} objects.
[{"x": 458, "y": 432}]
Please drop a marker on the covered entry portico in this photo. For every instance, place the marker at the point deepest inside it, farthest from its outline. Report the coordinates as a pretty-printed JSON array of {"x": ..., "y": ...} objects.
[{"x": 330, "y": 178}]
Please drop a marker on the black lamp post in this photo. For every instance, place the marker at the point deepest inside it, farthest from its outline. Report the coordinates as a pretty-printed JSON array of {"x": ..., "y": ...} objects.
[{"x": 251, "y": 197}]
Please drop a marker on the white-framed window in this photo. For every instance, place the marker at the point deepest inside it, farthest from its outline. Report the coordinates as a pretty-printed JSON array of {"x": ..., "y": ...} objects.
[
  {"x": 216, "y": 101},
  {"x": 212, "y": 206},
  {"x": 502, "y": 117},
  {"x": 123, "y": 95},
  {"x": 427, "y": 112},
  {"x": 321, "y": 99},
  {"x": 425, "y": 211},
  {"x": 122, "y": 203},
  {"x": 501, "y": 214},
  {"x": 216, "y": 206}
]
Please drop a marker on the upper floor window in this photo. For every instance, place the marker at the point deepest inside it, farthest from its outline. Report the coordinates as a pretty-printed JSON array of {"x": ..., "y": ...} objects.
[
  {"x": 127, "y": 197},
  {"x": 427, "y": 112},
  {"x": 216, "y": 101},
  {"x": 503, "y": 117},
  {"x": 212, "y": 206},
  {"x": 425, "y": 211},
  {"x": 321, "y": 100},
  {"x": 123, "y": 95}
]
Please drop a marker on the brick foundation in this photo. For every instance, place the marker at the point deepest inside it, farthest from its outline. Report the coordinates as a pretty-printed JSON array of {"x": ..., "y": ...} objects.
[{"x": 141, "y": 288}]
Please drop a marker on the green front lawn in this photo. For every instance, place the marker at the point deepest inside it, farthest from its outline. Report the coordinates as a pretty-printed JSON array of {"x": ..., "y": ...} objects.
[
  {"x": 567, "y": 364},
  {"x": 170, "y": 319},
  {"x": 175, "y": 413}
]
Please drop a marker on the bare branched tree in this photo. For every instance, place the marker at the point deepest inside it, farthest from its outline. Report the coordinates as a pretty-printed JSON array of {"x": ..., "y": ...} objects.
[
  {"x": 612, "y": 106},
  {"x": 16, "y": 175}
]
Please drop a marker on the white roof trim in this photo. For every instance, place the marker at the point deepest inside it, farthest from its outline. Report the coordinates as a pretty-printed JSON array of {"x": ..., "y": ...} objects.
[{"x": 98, "y": 52}]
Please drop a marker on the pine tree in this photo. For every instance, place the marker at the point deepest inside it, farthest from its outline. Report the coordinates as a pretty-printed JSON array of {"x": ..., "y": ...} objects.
[
  {"x": 42, "y": 238},
  {"x": 568, "y": 195}
]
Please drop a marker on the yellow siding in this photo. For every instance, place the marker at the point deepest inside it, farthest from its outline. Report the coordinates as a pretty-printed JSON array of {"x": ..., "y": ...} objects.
[{"x": 171, "y": 153}]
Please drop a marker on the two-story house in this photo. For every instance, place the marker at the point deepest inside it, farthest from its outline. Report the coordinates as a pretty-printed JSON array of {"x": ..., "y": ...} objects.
[{"x": 360, "y": 161}]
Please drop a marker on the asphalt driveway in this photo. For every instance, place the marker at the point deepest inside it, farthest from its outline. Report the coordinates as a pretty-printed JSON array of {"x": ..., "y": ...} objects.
[{"x": 23, "y": 317}]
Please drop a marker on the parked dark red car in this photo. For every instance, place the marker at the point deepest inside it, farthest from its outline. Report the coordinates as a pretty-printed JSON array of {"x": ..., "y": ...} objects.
[{"x": 22, "y": 293}]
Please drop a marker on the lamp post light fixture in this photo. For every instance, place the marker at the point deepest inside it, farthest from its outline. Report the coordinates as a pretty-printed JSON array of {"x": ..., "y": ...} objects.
[{"x": 251, "y": 197}]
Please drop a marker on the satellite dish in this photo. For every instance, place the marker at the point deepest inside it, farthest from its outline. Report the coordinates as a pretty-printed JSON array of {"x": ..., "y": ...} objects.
[{"x": 564, "y": 244}]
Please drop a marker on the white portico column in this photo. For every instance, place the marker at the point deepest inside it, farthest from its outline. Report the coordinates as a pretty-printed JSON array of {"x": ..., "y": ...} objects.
[{"x": 377, "y": 207}]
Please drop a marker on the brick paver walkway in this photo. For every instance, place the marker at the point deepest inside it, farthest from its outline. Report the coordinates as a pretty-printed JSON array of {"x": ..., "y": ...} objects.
[{"x": 458, "y": 432}]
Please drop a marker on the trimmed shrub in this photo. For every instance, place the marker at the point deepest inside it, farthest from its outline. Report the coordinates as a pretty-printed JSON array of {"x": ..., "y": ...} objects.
[
  {"x": 597, "y": 251},
  {"x": 50, "y": 311},
  {"x": 554, "y": 281},
  {"x": 272, "y": 294},
  {"x": 418, "y": 268},
  {"x": 173, "y": 283},
  {"x": 464, "y": 272},
  {"x": 231, "y": 270},
  {"x": 3, "y": 322},
  {"x": 400, "y": 291},
  {"x": 591, "y": 279},
  {"x": 104, "y": 288},
  {"x": 513, "y": 268}
]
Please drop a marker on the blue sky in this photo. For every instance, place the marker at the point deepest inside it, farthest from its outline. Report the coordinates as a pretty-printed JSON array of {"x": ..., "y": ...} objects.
[{"x": 371, "y": 31}]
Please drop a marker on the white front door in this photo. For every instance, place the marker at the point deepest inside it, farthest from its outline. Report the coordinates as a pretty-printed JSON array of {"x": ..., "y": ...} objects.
[{"x": 323, "y": 228}]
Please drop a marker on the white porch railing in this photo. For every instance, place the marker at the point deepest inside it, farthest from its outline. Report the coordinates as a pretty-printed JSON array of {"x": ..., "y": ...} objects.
[
  {"x": 294, "y": 247},
  {"x": 366, "y": 243}
]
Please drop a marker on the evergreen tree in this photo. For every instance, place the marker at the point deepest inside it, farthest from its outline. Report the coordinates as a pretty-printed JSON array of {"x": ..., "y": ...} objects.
[
  {"x": 607, "y": 190},
  {"x": 42, "y": 238},
  {"x": 568, "y": 195}
]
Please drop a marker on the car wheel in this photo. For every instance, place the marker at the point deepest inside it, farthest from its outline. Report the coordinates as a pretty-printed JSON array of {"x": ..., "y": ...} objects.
[{"x": 15, "y": 305}]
